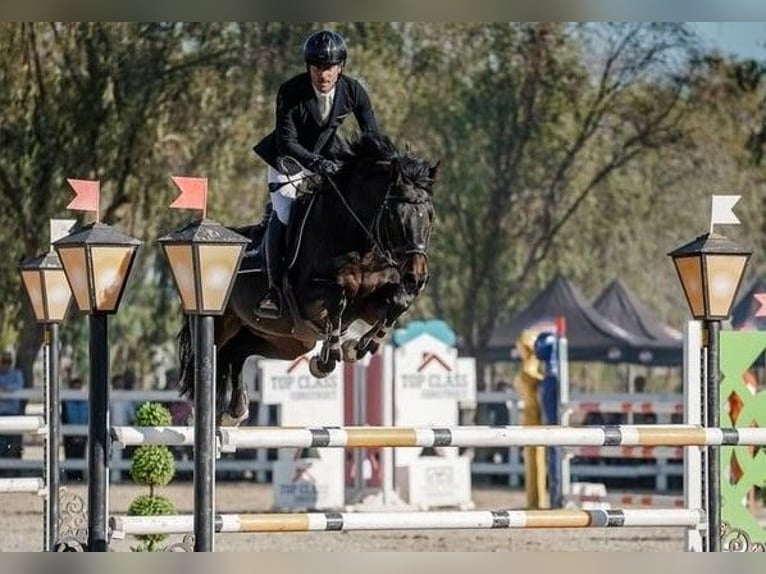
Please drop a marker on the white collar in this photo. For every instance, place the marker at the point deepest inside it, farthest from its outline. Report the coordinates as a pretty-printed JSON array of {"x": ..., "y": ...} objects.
[{"x": 320, "y": 95}]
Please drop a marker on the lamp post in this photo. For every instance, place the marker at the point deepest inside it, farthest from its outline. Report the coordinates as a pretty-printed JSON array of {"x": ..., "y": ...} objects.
[
  {"x": 97, "y": 260},
  {"x": 710, "y": 269},
  {"x": 48, "y": 291},
  {"x": 204, "y": 258}
]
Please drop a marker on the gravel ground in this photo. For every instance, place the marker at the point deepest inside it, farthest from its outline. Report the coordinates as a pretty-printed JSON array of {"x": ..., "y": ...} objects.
[{"x": 21, "y": 528}]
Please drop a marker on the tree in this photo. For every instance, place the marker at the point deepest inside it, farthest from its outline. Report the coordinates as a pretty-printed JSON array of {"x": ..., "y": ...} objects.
[
  {"x": 533, "y": 121},
  {"x": 101, "y": 101}
]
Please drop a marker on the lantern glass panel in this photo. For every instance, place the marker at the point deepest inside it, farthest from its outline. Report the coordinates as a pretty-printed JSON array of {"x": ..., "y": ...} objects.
[
  {"x": 57, "y": 294},
  {"x": 218, "y": 265},
  {"x": 723, "y": 276},
  {"x": 690, "y": 271},
  {"x": 76, "y": 267},
  {"x": 182, "y": 266},
  {"x": 111, "y": 265},
  {"x": 34, "y": 288}
]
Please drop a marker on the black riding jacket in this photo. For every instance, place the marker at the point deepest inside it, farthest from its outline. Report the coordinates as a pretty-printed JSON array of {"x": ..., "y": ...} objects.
[{"x": 300, "y": 133}]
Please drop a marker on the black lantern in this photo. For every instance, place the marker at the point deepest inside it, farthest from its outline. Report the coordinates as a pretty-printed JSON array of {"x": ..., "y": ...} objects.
[{"x": 711, "y": 269}]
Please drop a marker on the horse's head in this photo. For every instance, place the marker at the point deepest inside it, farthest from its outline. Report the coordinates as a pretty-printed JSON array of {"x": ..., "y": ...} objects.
[
  {"x": 406, "y": 219},
  {"x": 391, "y": 193}
]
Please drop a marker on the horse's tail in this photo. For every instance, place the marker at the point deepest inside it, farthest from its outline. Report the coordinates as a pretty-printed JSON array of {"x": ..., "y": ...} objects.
[{"x": 186, "y": 361}]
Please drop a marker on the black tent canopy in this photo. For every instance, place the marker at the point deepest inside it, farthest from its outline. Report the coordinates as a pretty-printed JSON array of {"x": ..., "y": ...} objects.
[
  {"x": 618, "y": 304},
  {"x": 744, "y": 310},
  {"x": 590, "y": 336}
]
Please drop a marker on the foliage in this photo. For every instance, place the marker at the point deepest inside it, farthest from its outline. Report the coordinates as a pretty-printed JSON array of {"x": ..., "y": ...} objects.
[
  {"x": 148, "y": 505},
  {"x": 152, "y": 415},
  {"x": 588, "y": 149},
  {"x": 153, "y": 466},
  {"x": 538, "y": 121}
]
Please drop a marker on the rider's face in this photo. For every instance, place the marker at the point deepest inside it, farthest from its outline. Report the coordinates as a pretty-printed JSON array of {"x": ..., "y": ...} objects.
[{"x": 324, "y": 78}]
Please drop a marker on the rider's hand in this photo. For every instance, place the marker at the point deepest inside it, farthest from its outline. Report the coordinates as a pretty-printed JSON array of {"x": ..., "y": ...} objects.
[{"x": 324, "y": 166}]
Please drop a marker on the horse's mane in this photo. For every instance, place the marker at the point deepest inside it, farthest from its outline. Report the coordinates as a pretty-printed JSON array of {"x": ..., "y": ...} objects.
[{"x": 367, "y": 148}]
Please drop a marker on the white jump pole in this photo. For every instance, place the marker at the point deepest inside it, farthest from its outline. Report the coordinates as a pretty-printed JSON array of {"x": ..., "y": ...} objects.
[
  {"x": 22, "y": 424},
  {"x": 440, "y": 520}
]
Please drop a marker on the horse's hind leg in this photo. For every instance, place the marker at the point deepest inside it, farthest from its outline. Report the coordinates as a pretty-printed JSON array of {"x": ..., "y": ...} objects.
[{"x": 232, "y": 402}]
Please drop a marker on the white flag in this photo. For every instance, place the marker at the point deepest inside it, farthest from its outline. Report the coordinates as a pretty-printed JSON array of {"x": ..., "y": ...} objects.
[
  {"x": 61, "y": 228},
  {"x": 721, "y": 212}
]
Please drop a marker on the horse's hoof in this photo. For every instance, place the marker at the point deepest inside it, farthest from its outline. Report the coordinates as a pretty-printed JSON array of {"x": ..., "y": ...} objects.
[
  {"x": 350, "y": 354},
  {"x": 320, "y": 369}
]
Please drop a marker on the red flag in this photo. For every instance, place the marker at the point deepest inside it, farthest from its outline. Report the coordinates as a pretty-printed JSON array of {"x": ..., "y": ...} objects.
[
  {"x": 761, "y": 298},
  {"x": 193, "y": 193},
  {"x": 86, "y": 195}
]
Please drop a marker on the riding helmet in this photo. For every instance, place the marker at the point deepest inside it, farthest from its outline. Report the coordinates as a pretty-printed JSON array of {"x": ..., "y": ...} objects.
[{"x": 325, "y": 48}]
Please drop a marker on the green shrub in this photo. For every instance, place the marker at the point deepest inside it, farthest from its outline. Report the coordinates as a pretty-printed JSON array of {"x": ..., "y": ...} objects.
[
  {"x": 153, "y": 415},
  {"x": 152, "y": 466},
  {"x": 148, "y": 505}
]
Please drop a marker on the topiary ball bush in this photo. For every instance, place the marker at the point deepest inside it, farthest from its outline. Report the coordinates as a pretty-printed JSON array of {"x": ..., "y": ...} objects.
[
  {"x": 147, "y": 505},
  {"x": 153, "y": 465},
  {"x": 153, "y": 415}
]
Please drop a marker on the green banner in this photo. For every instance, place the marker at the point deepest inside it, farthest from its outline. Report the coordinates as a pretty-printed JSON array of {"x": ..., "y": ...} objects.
[{"x": 743, "y": 468}]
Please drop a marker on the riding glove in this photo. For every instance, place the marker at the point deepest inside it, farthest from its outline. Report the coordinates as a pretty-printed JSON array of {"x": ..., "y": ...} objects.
[{"x": 324, "y": 166}]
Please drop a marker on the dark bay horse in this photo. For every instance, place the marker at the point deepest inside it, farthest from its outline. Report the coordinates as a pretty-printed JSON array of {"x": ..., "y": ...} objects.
[{"x": 359, "y": 251}]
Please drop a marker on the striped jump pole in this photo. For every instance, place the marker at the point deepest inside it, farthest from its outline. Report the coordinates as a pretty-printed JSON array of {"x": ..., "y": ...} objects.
[
  {"x": 465, "y": 436},
  {"x": 455, "y": 436},
  {"x": 440, "y": 520}
]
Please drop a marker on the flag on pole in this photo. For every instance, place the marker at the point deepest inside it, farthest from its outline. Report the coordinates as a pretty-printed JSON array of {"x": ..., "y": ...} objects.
[
  {"x": 722, "y": 212},
  {"x": 761, "y": 298},
  {"x": 193, "y": 193},
  {"x": 60, "y": 228},
  {"x": 86, "y": 195}
]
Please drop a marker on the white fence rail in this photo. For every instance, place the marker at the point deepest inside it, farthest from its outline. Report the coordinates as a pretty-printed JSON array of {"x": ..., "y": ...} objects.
[{"x": 498, "y": 464}]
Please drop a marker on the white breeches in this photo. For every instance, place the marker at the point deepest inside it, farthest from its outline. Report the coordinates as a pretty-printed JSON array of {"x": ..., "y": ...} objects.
[{"x": 282, "y": 199}]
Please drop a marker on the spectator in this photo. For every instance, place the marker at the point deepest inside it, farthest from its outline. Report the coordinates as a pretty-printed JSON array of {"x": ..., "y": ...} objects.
[
  {"x": 11, "y": 380},
  {"x": 75, "y": 412}
]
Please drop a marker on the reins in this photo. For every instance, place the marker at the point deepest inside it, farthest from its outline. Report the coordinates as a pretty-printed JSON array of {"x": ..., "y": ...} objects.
[{"x": 373, "y": 238}]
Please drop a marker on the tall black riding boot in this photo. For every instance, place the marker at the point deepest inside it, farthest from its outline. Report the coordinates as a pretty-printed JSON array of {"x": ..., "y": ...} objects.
[{"x": 270, "y": 306}]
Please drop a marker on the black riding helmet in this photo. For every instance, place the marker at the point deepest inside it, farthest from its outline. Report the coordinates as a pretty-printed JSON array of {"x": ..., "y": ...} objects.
[{"x": 325, "y": 48}]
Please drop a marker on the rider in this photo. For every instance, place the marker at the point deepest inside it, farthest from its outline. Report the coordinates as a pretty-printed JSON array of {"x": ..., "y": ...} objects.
[{"x": 310, "y": 108}]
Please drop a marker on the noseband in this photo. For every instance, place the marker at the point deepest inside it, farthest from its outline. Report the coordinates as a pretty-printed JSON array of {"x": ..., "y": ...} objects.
[{"x": 386, "y": 207}]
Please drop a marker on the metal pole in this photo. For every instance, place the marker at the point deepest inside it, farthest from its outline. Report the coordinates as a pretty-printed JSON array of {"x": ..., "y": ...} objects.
[
  {"x": 712, "y": 420},
  {"x": 52, "y": 467},
  {"x": 98, "y": 434},
  {"x": 204, "y": 436}
]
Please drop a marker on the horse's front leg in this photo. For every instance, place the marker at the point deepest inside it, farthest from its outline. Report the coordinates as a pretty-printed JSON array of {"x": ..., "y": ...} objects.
[
  {"x": 393, "y": 308},
  {"x": 330, "y": 354}
]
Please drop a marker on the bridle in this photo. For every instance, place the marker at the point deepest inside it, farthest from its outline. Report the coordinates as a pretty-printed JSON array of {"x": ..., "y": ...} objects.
[{"x": 374, "y": 233}]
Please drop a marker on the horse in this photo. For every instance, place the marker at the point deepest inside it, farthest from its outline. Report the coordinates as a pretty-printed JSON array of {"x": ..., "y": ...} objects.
[{"x": 359, "y": 252}]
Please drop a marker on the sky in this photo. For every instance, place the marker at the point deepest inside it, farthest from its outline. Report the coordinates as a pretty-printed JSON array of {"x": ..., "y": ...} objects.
[{"x": 743, "y": 39}]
